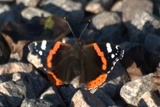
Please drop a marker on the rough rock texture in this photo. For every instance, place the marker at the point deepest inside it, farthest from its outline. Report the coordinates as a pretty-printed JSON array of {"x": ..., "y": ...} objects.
[{"x": 132, "y": 91}]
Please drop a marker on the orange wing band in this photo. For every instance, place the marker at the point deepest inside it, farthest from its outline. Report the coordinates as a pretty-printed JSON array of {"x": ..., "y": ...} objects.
[
  {"x": 52, "y": 77},
  {"x": 97, "y": 82},
  {"x": 101, "y": 55},
  {"x": 51, "y": 53}
]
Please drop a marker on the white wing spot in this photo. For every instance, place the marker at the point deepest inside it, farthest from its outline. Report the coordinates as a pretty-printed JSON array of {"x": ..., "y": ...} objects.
[
  {"x": 112, "y": 56},
  {"x": 40, "y": 53},
  {"x": 109, "y": 49},
  {"x": 43, "y": 45},
  {"x": 117, "y": 46}
]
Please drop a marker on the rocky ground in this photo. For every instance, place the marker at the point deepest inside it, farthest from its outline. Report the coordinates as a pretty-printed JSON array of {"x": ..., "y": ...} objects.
[{"x": 132, "y": 24}]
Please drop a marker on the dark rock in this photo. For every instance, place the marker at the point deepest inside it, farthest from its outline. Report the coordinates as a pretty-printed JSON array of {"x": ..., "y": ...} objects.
[
  {"x": 3, "y": 101},
  {"x": 110, "y": 26},
  {"x": 36, "y": 103},
  {"x": 85, "y": 98},
  {"x": 4, "y": 50},
  {"x": 156, "y": 4},
  {"x": 152, "y": 43},
  {"x": 107, "y": 4},
  {"x": 52, "y": 95},
  {"x": 104, "y": 98},
  {"x": 132, "y": 91}
]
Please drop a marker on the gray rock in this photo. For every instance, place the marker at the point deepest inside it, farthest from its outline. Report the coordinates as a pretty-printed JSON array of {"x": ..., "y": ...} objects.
[
  {"x": 36, "y": 103},
  {"x": 94, "y": 6},
  {"x": 129, "y": 10},
  {"x": 86, "y": 99},
  {"x": 27, "y": 3},
  {"x": 142, "y": 24},
  {"x": 132, "y": 91},
  {"x": 110, "y": 26},
  {"x": 65, "y": 8},
  {"x": 149, "y": 99},
  {"x": 117, "y": 7},
  {"x": 32, "y": 12},
  {"x": 52, "y": 95},
  {"x": 14, "y": 92}
]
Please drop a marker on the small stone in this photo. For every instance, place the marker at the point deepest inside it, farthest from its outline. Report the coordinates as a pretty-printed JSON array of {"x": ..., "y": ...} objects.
[
  {"x": 32, "y": 12},
  {"x": 149, "y": 99},
  {"x": 27, "y": 3},
  {"x": 85, "y": 98},
  {"x": 117, "y": 7},
  {"x": 36, "y": 103},
  {"x": 110, "y": 26},
  {"x": 107, "y": 4},
  {"x": 52, "y": 95},
  {"x": 64, "y": 8},
  {"x": 94, "y": 6},
  {"x": 132, "y": 91},
  {"x": 129, "y": 10}
]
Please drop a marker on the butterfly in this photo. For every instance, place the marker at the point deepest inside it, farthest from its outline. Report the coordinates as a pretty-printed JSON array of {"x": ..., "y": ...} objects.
[{"x": 62, "y": 62}]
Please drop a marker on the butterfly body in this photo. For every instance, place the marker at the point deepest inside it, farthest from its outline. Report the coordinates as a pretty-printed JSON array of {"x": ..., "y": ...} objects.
[{"x": 63, "y": 62}]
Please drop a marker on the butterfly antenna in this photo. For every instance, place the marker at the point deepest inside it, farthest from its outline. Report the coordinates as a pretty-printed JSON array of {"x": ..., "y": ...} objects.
[
  {"x": 84, "y": 30},
  {"x": 69, "y": 27}
]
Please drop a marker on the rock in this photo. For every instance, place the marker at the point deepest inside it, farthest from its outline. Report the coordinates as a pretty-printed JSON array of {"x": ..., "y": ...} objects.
[
  {"x": 104, "y": 98},
  {"x": 107, "y": 4},
  {"x": 4, "y": 50},
  {"x": 94, "y": 6},
  {"x": 130, "y": 12},
  {"x": 117, "y": 7},
  {"x": 152, "y": 43},
  {"x": 65, "y": 8},
  {"x": 156, "y": 7},
  {"x": 5, "y": 14},
  {"x": 14, "y": 92},
  {"x": 32, "y": 12},
  {"x": 27, "y": 3},
  {"x": 149, "y": 99},
  {"x": 85, "y": 98},
  {"x": 52, "y": 95},
  {"x": 132, "y": 91},
  {"x": 15, "y": 67},
  {"x": 36, "y": 103},
  {"x": 110, "y": 26},
  {"x": 3, "y": 101}
]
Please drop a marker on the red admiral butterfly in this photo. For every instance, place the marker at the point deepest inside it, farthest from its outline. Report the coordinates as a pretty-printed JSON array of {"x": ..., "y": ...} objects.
[{"x": 63, "y": 62}]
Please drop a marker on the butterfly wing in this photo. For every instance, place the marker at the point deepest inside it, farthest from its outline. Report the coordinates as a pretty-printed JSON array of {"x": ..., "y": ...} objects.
[
  {"x": 55, "y": 58},
  {"x": 98, "y": 61}
]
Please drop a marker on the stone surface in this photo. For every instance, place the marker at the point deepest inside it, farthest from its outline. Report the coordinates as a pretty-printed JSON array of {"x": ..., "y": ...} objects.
[
  {"x": 130, "y": 12},
  {"x": 52, "y": 95},
  {"x": 26, "y": 3},
  {"x": 110, "y": 26},
  {"x": 94, "y": 6},
  {"x": 132, "y": 91},
  {"x": 83, "y": 97},
  {"x": 32, "y": 12},
  {"x": 149, "y": 99}
]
